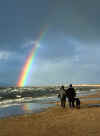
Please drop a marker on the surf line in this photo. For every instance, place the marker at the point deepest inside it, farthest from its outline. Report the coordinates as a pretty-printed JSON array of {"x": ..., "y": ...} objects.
[{"x": 28, "y": 64}]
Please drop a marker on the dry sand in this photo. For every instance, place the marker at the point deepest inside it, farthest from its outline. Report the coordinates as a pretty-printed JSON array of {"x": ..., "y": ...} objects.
[{"x": 56, "y": 122}]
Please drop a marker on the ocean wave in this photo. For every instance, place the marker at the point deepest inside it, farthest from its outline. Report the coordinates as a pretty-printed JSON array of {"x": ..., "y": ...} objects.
[
  {"x": 7, "y": 103},
  {"x": 11, "y": 101},
  {"x": 42, "y": 99}
]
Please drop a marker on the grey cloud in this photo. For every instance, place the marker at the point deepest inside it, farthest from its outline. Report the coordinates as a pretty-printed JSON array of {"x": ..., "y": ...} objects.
[
  {"x": 82, "y": 67},
  {"x": 79, "y": 19},
  {"x": 4, "y": 55},
  {"x": 70, "y": 47}
]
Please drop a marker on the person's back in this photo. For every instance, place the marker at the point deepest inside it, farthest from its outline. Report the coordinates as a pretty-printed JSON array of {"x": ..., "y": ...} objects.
[
  {"x": 71, "y": 92},
  {"x": 62, "y": 95},
  {"x": 71, "y": 95}
]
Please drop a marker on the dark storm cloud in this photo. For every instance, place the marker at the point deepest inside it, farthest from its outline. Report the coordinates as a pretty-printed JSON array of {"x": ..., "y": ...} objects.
[
  {"x": 21, "y": 19},
  {"x": 79, "y": 19},
  {"x": 72, "y": 37}
]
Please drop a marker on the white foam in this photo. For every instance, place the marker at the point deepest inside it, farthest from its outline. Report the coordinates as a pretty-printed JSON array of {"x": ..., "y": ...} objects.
[{"x": 11, "y": 101}]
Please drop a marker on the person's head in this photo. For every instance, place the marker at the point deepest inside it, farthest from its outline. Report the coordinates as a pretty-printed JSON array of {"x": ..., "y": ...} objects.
[
  {"x": 70, "y": 85},
  {"x": 62, "y": 87}
]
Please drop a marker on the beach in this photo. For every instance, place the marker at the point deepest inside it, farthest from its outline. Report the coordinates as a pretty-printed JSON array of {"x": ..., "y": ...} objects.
[{"x": 56, "y": 121}]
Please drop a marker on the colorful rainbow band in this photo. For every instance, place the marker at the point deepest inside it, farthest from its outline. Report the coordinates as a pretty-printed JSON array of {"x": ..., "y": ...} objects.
[{"x": 28, "y": 64}]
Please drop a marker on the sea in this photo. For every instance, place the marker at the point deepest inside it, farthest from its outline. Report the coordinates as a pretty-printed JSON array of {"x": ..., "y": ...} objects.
[{"x": 16, "y": 101}]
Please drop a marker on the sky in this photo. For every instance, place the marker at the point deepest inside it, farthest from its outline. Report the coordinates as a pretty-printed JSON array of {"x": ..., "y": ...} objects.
[{"x": 69, "y": 50}]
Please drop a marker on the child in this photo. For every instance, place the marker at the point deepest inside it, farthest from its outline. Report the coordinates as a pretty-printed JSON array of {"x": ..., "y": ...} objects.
[{"x": 77, "y": 100}]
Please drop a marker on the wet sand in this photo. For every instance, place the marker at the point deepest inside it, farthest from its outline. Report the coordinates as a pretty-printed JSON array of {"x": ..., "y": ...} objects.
[{"x": 56, "y": 121}]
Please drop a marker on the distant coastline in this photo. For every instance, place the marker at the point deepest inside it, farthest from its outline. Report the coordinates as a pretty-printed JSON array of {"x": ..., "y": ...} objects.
[{"x": 3, "y": 85}]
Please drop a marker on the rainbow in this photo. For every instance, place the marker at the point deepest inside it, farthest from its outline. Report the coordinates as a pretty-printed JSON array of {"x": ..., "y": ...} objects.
[
  {"x": 28, "y": 64},
  {"x": 27, "y": 107}
]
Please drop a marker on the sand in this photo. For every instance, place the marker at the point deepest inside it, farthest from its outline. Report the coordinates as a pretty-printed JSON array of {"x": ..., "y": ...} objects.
[{"x": 56, "y": 121}]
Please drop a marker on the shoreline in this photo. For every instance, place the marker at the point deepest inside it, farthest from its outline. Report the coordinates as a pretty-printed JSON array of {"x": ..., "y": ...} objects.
[
  {"x": 57, "y": 103},
  {"x": 34, "y": 107},
  {"x": 56, "y": 121}
]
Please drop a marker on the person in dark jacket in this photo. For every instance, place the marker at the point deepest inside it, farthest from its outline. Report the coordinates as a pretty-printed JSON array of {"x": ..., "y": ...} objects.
[
  {"x": 71, "y": 95},
  {"x": 62, "y": 96}
]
